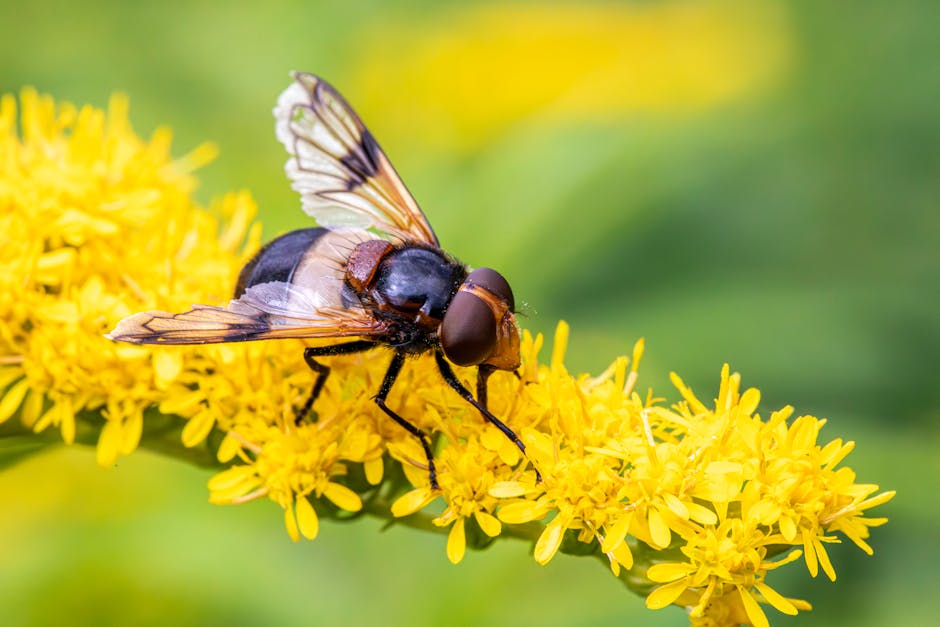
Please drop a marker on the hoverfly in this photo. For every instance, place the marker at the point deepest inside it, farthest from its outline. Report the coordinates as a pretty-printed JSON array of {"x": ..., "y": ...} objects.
[{"x": 373, "y": 270}]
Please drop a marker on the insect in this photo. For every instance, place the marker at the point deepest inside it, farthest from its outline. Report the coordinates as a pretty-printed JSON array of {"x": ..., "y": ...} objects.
[{"x": 373, "y": 271}]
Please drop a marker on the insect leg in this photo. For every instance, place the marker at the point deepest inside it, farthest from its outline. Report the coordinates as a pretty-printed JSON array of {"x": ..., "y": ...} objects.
[
  {"x": 390, "y": 375},
  {"x": 448, "y": 373},
  {"x": 483, "y": 375},
  {"x": 323, "y": 371}
]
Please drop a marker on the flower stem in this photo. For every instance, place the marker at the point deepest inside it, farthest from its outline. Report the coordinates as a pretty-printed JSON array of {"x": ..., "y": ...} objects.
[{"x": 161, "y": 435}]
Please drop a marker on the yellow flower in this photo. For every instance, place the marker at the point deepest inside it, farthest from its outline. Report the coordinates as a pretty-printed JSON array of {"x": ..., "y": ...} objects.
[
  {"x": 722, "y": 560},
  {"x": 96, "y": 224},
  {"x": 693, "y": 504},
  {"x": 469, "y": 470},
  {"x": 785, "y": 490},
  {"x": 289, "y": 467}
]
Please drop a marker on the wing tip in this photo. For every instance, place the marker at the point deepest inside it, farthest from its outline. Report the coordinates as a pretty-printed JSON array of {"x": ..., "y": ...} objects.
[
  {"x": 131, "y": 329},
  {"x": 307, "y": 80}
]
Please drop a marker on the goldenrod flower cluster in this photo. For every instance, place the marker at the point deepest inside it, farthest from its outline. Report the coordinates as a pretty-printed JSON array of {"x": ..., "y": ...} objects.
[
  {"x": 692, "y": 504},
  {"x": 94, "y": 224}
]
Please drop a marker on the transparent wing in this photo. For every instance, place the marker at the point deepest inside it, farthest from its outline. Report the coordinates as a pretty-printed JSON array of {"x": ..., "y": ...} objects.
[
  {"x": 310, "y": 305},
  {"x": 343, "y": 177},
  {"x": 265, "y": 311}
]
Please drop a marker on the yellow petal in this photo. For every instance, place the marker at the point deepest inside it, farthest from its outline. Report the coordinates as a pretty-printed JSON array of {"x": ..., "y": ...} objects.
[
  {"x": 415, "y": 471},
  {"x": 764, "y": 512},
  {"x": 107, "y": 450},
  {"x": 197, "y": 428},
  {"x": 678, "y": 507},
  {"x": 374, "y": 470},
  {"x": 882, "y": 498},
  {"x": 614, "y": 566},
  {"x": 776, "y": 599},
  {"x": 548, "y": 543},
  {"x": 456, "y": 542},
  {"x": 701, "y": 514},
  {"x": 410, "y": 502},
  {"x": 182, "y": 404},
  {"x": 721, "y": 508},
  {"x": 488, "y": 523},
  {"x": 623, "y": 555},
  {"x": 824, "y": 561},
  {"x": 307, "y": 521},
  {"x": 131, "y": 430},
  {"x": 753, "y": 609},
  {"x": 12, "y": 399},
  {"x": 343, "y": 497},
  {"x": 786, "y": 559},
  {"x": 291, "y": 523},
  {"x": 669, "y": 571},
  {"x": 507, "y": 489},
  {"x": 665, "y": 595},
  {"x": 49, "y": 417},
  {"x": 228, "y": 449},
  {"x": 9, "y": 374},
  {"x": 233, "y": 484},
  {"x": 694, "y": 404},
  {"x": 32, "y": 408},
  {"x": 492, "y": 439},
  {"x": 560, "y": 346},
  {"x": 508, "y": 453},
  {"x": 637, "y": 354},
  {"x": 659, "y": 530},
  {"x": 801, "y": 605},
  {"x": 230, "y": 477},
  {"x": 520, "y": 512},
  {"x": 197, "y": 157},
  {"x": 809, "y": 553},
  {"x": 835, "y": 452},
  {"x": 67, "y": 424},
  {"x": 749, "y": 401},
  {"x": 617, "y": 532}
]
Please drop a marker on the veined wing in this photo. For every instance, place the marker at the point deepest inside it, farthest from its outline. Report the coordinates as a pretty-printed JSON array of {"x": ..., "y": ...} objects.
[
  {"x": 265, "y": 311},
  {"x": 343, "y": 177}
]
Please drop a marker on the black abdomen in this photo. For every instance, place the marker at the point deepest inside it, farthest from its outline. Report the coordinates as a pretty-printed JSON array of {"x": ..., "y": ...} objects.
[{"x": 277, "y": 260}]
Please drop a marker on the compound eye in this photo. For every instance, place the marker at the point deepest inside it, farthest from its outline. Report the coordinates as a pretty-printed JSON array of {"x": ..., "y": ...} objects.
[
  {"x": 468, "y": 331},
  {"x": 493, "y": 282}
]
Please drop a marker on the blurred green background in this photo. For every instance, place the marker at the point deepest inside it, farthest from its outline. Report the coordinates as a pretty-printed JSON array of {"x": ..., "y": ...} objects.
[{"x": 752, "y": 182}]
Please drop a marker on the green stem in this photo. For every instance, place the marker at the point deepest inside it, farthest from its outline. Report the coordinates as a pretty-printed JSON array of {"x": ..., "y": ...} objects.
[{"x": 162, "y": 434}]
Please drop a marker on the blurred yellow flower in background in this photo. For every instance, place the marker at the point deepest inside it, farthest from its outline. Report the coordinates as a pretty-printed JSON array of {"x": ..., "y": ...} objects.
[{"x": 487, "y": 66}]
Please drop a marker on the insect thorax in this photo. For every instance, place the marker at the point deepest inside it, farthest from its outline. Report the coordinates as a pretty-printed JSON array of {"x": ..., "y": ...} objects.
[{"x": 417, "y": 280}]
